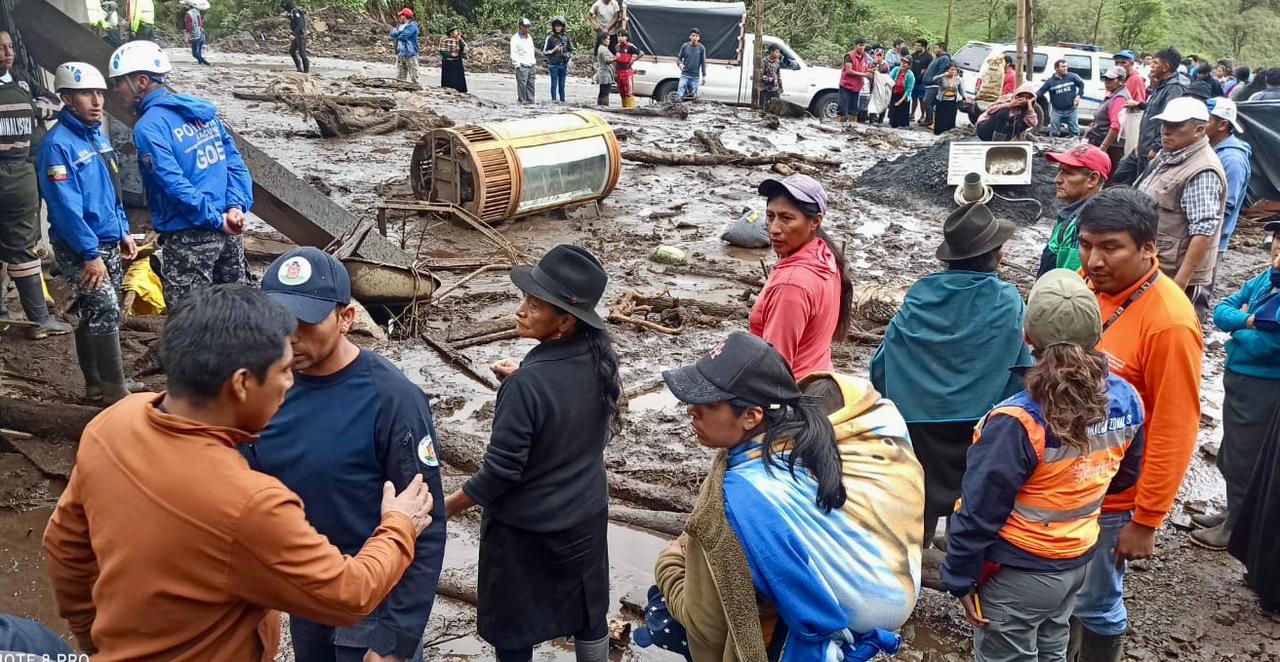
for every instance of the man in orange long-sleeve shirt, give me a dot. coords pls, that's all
(167, 546)
(1152, 338)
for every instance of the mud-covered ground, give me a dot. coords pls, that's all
(1187, 603)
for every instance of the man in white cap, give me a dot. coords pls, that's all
(524, 62)
(1223, 132)
(88, 229)
(1189, 186)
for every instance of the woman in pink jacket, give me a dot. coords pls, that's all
(805, 306)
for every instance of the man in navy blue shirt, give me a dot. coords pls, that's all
(351, 422)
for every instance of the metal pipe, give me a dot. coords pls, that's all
(973, 189)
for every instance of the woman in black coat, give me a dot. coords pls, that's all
(544, 562)
(452, 51)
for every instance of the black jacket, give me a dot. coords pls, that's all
(1165, 91)
(544, 468)
(561, 58)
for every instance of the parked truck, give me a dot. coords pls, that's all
(659, 27)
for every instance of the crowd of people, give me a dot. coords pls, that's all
(301, 472)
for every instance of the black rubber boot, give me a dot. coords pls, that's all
(31, 293)
(591, 651)
(88, 366)
(1099, 648)
(106, 354)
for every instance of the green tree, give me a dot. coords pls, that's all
(1139, 23)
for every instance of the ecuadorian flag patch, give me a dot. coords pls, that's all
(57, 173)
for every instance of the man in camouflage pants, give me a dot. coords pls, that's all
(87, 225)
(198, 187)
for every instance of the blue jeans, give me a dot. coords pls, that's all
(848, 104)
(559, 72)
(1100, 604)
(1069, 117)
(197, 50)
(688, 85)
(313, 642)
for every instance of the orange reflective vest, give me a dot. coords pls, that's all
(1056, 513)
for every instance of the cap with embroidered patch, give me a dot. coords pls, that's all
(309, 283)
(741, 367)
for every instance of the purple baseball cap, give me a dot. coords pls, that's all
(801, 187)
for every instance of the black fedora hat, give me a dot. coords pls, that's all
(971, 231)
(569, 278)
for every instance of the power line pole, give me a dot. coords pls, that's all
(1030, 32)
(1020, 57)
(756, 70)
(946, 36)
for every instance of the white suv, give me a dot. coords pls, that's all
(1089, 65)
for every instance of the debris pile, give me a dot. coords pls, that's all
(919, 181)
(331, 32)
(343, 114)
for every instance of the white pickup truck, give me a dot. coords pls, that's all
(658, 27)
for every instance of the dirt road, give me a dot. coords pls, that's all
(1188, 604)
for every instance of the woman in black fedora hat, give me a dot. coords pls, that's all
(544, 564)
(946, 351)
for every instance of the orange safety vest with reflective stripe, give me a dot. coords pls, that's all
(1055, 515)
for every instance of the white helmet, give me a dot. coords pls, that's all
(139, 57)
(78, 76)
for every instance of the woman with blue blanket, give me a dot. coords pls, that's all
(804, 545)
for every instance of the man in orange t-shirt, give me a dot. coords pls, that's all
(1152, 338)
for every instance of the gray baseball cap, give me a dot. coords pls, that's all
(801, 187)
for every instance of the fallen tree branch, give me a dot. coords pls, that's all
(619, 318)
(457, 587)
(485, 328)
(672, 110)
(452, 357)
(465, 452)
(656, 157)
(302, 101)
(385, 83)
(509, 334)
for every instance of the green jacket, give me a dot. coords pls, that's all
(1063, 250)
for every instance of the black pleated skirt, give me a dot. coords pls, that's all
(942, 449)
(1253, 540)
(534, 587)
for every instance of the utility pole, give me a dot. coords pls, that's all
(946, 36)
(1020, 57)
(1030, 33)
(756, 65)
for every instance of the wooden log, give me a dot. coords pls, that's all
(455, 585)
(487, 327)
(669, 523)
(47, 420)
(465, 452)
(453, 358)
(672, 110)
(659, 303)
(716, 271)
(509, 334)
(663, 157)
(302, 101)
(384, 83)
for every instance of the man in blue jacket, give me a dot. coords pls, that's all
(197, 185)
(1234, 153)
(1064, 89)
(87, 226)
(351, 422)
(406, 36)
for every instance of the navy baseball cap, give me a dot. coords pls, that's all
(309, 283)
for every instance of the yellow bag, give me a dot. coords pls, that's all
(145, 284)
(628, 102)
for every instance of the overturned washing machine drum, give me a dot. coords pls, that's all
(512, 169)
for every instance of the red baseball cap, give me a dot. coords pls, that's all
(406, 12)
(1083, 156)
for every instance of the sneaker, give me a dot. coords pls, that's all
(50, 327)
(1209, 520)
(1215, 538)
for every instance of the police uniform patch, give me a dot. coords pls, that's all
(427, 451)
(57, 173)
(294, 271)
